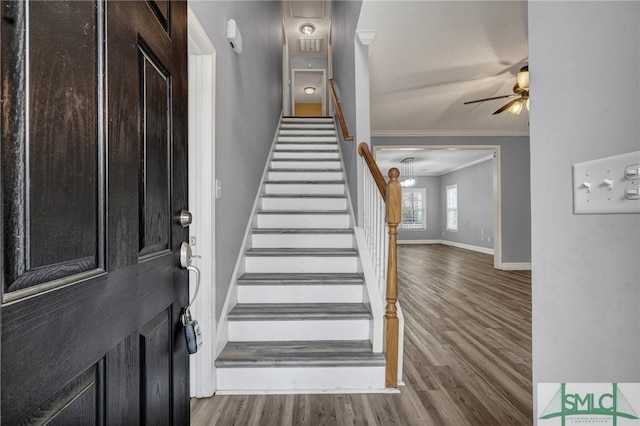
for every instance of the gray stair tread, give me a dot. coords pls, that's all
(304, 159)
(304, 196)
(307, 142)
(306, 170)
(301, 252)
(302, 231)
(298, 311)
(303, 212)
(299, 354)
(306, 151)
(300, 279)
(305, 182)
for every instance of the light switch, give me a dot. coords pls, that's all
(632, 172)
(607, 185)
(632, 192)
(218, 189)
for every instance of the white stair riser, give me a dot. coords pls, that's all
(307, 139)
(322, 120)
(306, 175)
(309, 379)
(302, 241)
(301, 264)
(290, 293)
(302, 204)
(305, 132)
(287, 221)
(305, 164)
(309, 126)
(282, 155)
(305, 188)
(289, 330)
(310, 145)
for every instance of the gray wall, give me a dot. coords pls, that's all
(516, 207)
(586, 280)
(248, 105)
(475, 205)
(298, 62)
(345, 14)
(434, 212)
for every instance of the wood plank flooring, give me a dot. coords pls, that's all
(467, 357)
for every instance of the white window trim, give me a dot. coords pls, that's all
(448, 209)
(424, 210)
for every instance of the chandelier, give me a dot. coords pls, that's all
(406, 172)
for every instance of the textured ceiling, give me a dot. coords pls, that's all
(431, 161)
(428, 57)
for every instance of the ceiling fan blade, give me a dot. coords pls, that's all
(490, 99)
(507, 106)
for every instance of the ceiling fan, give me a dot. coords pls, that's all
(520, 90)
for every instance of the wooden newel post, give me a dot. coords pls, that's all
(394, 217)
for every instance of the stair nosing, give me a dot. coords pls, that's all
(316, 311)
(305, 182)
(301, 252)
(345, 231)
(331, 212)
(311, 353)
(337, 196)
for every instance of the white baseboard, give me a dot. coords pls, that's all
(468, 247)
(449, 243)
(516, 266)
(408, 242)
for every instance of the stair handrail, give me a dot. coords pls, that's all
(343, 125)
(391, 194)
(365, 153)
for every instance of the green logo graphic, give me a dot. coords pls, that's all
(614, 405)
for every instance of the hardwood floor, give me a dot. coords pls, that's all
(467, 357)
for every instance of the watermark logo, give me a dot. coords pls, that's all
(562, 404)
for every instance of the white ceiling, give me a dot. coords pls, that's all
(428, 57)
(430, 161)
(299, 12)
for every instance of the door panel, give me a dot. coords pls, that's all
(155, 225)
(54, 211)
(76, 402)
(155, 339)
(94, 162)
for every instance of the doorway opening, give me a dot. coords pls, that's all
(444, 161)
(202, 189)
(308, 96)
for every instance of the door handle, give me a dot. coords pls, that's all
(185, 218)
(185, 261)
(193, 333)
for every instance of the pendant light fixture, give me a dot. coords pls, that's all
(406, 170)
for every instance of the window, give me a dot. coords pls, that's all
(414, 208)
(452, 208)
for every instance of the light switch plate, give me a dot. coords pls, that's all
(599, 186)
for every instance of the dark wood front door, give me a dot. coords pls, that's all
(94, 174)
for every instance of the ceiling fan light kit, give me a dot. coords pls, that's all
(520, 90)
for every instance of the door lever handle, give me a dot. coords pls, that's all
(185, 261)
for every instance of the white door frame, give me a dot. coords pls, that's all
(497, 188)
(293, 88)
(202, 67)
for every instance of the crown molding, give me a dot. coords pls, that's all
(366, 37)
(436, 133)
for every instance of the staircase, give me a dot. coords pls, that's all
(301, 323)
